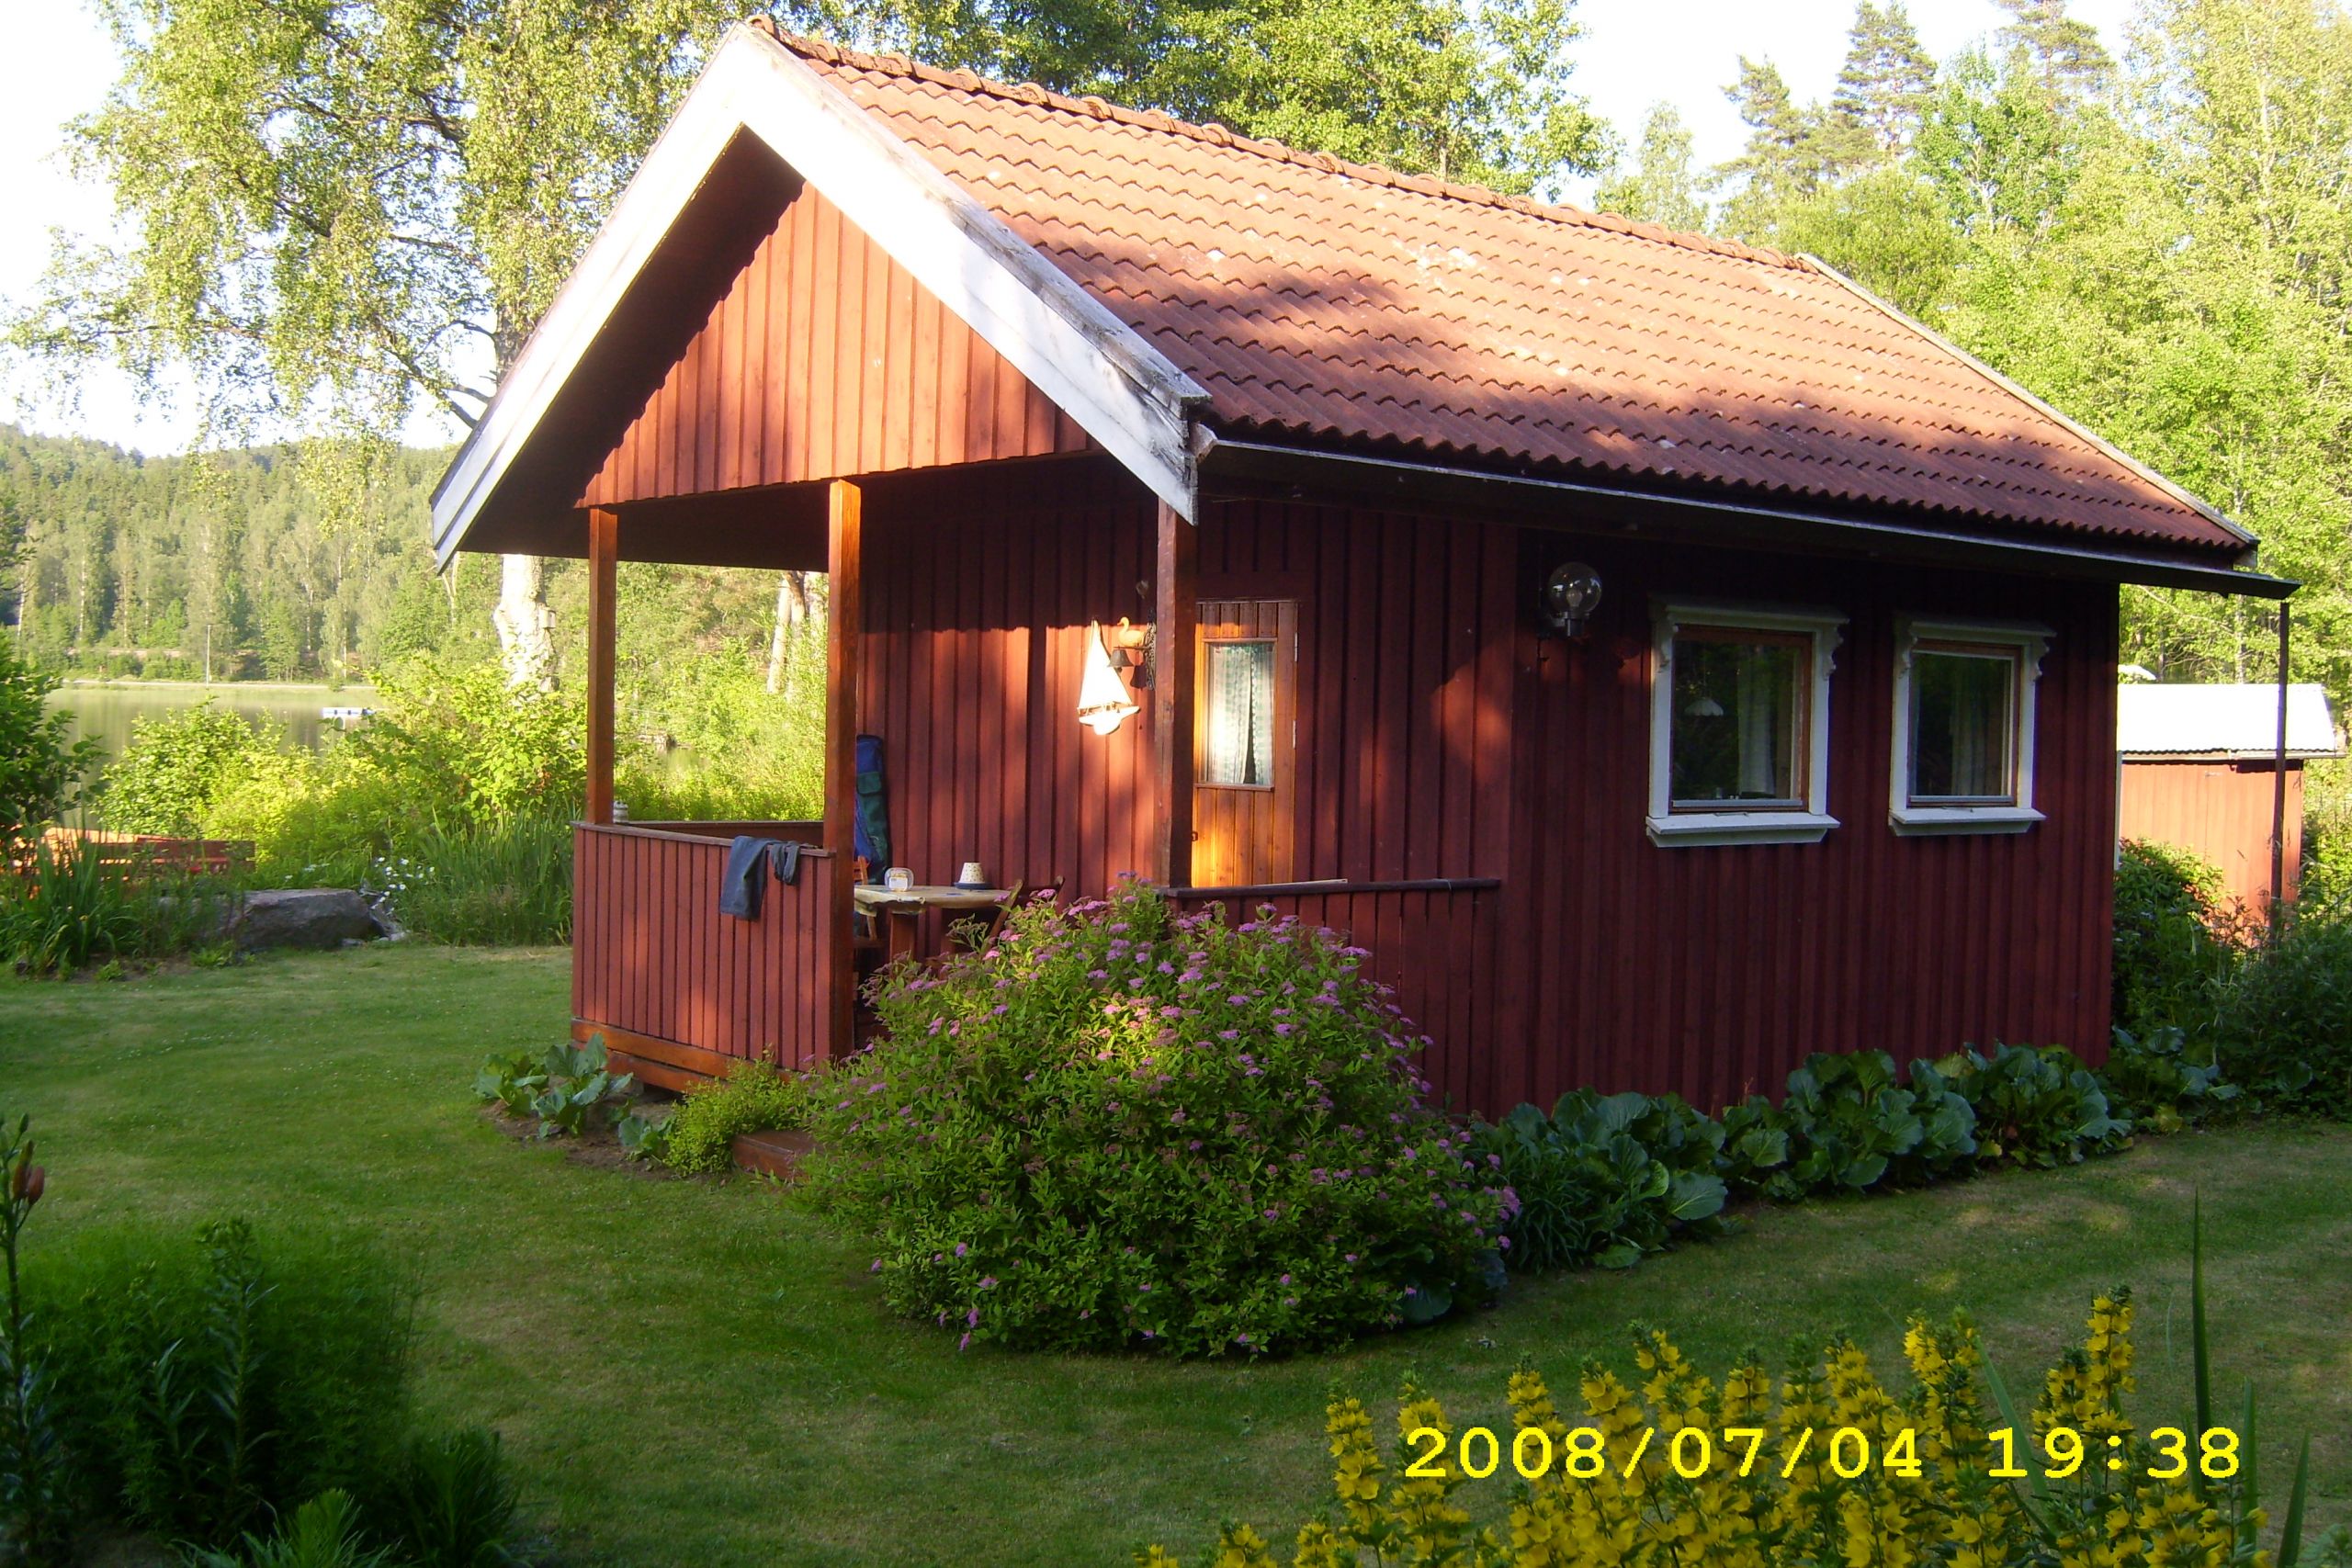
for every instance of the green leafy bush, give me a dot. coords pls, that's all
(177, 765)
(2284, 1029)
(563, 1087)
(2155, 1082)
(1602, 1181)
(205, 1387)
(2176, 941)
(323, 1533)
(503, 883)
(1120, 1126)
(40, 770)
(1852, 1126)
(464, 743)
(451, 1503)
(70, 909)
(753, 1098)
(2036, 1107)
(1607, 1179)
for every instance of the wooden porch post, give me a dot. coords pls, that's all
(604, 550)
(1176, 618)
(844, 614)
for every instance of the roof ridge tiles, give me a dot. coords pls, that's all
(1214, 135)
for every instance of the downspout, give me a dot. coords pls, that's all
(2278, 785)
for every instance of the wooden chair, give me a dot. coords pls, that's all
(1049, 891)
(864, 931)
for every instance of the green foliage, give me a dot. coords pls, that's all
(2284, 1027)
(204, 1388)
(493, 884)
(34, 1516)
(452, 1502)
(564, 1087)
(2036, 1107)
(462, 738)
(177, 765)
(643, 1137)
(2176, 944)
(1602, 1181)
(1118, 1125)
(40, 770)
(1605, 1179)
(753, 1098)
(1852, 1126)
(2157, 1082)
(70, 909)
(323, 1533)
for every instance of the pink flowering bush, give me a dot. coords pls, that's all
(1119, 1126)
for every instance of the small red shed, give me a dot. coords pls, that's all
(1663, 656)
(2199, 770)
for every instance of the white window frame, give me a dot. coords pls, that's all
(1808, 820)
(2031, 641)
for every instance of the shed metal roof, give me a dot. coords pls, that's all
(2218, 721)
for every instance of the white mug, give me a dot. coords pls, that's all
(970, 877)
(898, 879)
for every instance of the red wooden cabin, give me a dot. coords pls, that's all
(1830, 764)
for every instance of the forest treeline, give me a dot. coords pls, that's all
(2156, 238)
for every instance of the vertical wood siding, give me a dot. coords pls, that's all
(824, 360)
(2222, 812)
(651, 956)
(1711, 971)
(1440, 739)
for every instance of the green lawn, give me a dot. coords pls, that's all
(700, 1373)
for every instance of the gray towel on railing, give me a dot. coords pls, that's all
(749, 860)
(746, 874)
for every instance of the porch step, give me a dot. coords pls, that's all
(771, 1153)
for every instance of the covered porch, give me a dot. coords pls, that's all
(966, 660)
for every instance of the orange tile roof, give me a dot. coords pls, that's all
(1331, 303)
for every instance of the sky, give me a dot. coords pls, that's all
(1634, 53)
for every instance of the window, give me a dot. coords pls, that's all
(1739, 727)
(1964, 727)
(1240, 699)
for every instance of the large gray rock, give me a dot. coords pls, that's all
(302, 916)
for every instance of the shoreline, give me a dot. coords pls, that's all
(126, 684)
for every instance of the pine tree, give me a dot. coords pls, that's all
(2064, 51)
(1883, 88)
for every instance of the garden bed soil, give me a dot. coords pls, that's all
(597, 1146)
(761, 1154)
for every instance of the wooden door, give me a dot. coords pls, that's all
(1245, 741)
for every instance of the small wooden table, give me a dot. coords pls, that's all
(902, 912)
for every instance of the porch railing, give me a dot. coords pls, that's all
(680, 990)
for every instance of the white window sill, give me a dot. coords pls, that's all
(1919, 821)
(1700, 828)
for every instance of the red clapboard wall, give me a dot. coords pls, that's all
(2220, 810)
(1439, 739)
(824, 360)
(673, 983)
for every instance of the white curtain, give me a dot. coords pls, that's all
(1241, 713)
(1760, 684)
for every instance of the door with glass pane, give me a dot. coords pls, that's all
(1246, 705)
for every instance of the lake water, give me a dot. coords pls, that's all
(106, 709)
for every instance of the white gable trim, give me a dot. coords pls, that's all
(1119, 389)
